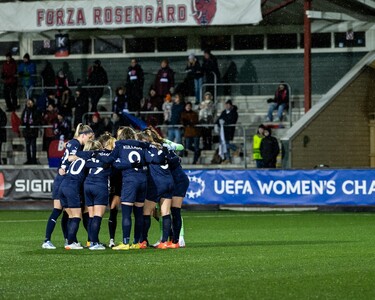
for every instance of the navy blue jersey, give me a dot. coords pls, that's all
(125, 154)
(180, 179)
(99, 172)
(159, 173)
(77, 171)
(71, 149)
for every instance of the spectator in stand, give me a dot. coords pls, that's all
(167, 108)
(153, 100)
(195, 73)
(48, 75)
(97, 124)
(81, 103)
(174, 132)
(206, 117)
(257, 140)
(27, 73)
(280, 103)
(61, 83)
(3, 131)
(149, 105)
(229, 116)
(120, 102)
(210, 68)
(9, 75)
(108, 125)
(61, 128)
(49, 119)
(31, 119)
(97, 77)
(269, 149)
(164, 81)
(66, 104)
(134, 85)
(189, 119)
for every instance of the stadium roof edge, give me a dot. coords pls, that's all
(306, 119)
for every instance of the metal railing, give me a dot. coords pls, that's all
(215, 85)
(108, 87)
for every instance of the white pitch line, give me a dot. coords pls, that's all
(225, 216)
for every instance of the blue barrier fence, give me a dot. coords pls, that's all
(228, 187)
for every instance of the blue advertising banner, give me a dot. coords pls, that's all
(281, 187)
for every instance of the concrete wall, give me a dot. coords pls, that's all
(339, 135)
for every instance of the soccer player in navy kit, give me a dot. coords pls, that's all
(181, 185)
(129, 156)
(159, 188)
(71, 148)
(71, 188)
(96, 191)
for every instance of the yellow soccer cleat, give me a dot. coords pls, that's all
(136, 246)
(121, 246)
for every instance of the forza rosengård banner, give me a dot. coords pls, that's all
(111, 14)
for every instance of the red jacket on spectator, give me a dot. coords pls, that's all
(164, 81)
(9, 71)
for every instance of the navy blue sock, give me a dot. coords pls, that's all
(89, 233)
(51, 223)
(166, 227)
(85, 220)
(64, 224)
(176, 223)
(138, 223)
(112, 222)
(95, 228)
(126, 222)
(146, 227)
(73, 229)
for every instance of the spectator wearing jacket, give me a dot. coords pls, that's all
(189, 119)
(164, 80)
(49, 119)
(134, 85)
(257, 140)
(174, 131)
(195, 73)
(61, 128)
(3, 131)
(269, 149)
(31, 119)
(120, 102)
(97, 77)
(61, 83)
(9, 75)
(280, 103)
(81, 104)
(229, 116)
(210, 69)
(206, 117)
(27, 72)
(97, 125)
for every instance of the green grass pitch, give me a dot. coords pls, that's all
(229, 255)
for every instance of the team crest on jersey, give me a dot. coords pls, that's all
(203, 11)
(196, 187)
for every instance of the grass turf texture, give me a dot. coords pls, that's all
(228, 255)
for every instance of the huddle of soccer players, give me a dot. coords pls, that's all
(141, 169)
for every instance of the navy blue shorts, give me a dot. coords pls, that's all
(116, 184)
(181, 185)
(155, 193)
(134, 189)
(56, 186)
(70, 193)
(96, 194)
